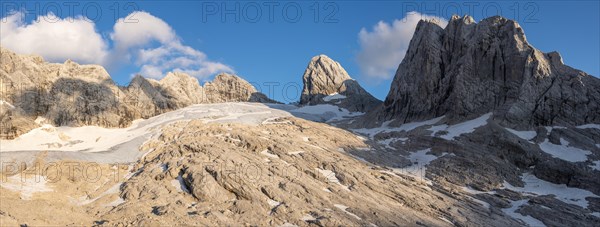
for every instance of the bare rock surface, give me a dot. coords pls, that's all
(230, 88)
(326, 81)
(468, 69)
(475, 105)
(246, 168)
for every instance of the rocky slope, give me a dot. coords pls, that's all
(229, 164)
(325, 81)
(77, 95)
(468, 69)
(510, 121)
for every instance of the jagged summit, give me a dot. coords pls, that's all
(465, 19)
(229, 88)
(326, 81)
(468, 69)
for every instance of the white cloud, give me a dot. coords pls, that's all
(53, 38)
(139, 28)
(383, 49)
(140, 39)
(156, 62)
(151, 44)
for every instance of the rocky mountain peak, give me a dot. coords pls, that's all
(469, 69)
(231, 88)
(326, 81)
(178, 79)
(323, 76)
(466, 19)
(182, 87)
(139, 81)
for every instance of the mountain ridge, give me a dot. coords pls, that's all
(78, 95)
(468, 69)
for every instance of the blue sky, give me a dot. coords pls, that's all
(276, 52)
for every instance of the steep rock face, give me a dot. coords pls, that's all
(325, 81)
(76, 95)
(230, 88)
(64, 94)
(468, 69)
(182, 88)
(146, 98)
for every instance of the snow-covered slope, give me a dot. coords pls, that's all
(107, 145)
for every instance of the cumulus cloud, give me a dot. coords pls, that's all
(139, 39)
(155, 62)
(53, 38)
(139, 28)
(153, 45)
(383, 48)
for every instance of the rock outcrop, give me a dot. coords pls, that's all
(229, 88)
(237, 164)
(325, 81)
(182, 88)
(468, 69)
(77, 95)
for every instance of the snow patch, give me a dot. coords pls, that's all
(595, 126)
(269, 154)
(526, 135)
(273, 203)
(180, 185)
(437, 128)
(475, 192)
(27, 187)
(324, 112)
(389, 141)
(512, 211)
(333, 96)
(596, 165)
(465, 127)
(343, 208)
(331, 177)
(10, 106)
(109, 145)
(564, 151)
(446, 220)
(419, 159)
(115, 203)
(536, 186)
(371, 132)
(308, 218)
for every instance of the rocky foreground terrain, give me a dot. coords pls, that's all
(479, 128)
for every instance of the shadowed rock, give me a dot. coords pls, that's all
(468, 69)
